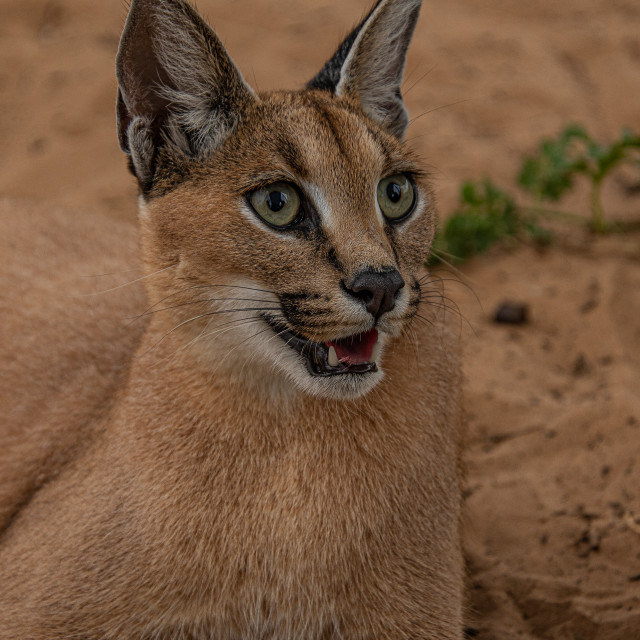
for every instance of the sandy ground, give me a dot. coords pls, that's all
(553, 488)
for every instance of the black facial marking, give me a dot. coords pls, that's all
(298, 297)
(390, 231)
(378, 138)
(328, 119)
(292, 302)
(329, 253)
(310, 224)
(292, 156)
(305, 323)
(323, 245)
(332, 257)
(417, 290)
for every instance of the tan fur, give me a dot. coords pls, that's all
(179, 478)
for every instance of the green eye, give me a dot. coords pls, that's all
(278, 204)
(396, 196)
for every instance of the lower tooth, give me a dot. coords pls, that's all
(333, 357)
(375, 353)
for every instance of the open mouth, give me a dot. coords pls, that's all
(354, 354)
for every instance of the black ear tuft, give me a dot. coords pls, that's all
(178, 89)
(369, 64)
(328, 77)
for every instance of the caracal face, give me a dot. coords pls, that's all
(292, 305)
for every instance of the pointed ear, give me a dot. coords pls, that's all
(369, 64)
(178, 89)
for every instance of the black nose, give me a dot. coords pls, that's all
(376, 289)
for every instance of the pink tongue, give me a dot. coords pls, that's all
(355, 349)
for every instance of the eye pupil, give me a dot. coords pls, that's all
(394, 192)
(276, 201)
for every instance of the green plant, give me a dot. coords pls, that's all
(486, 215)
(550, 173)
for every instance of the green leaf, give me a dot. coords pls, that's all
(486, 214)
(468, 193)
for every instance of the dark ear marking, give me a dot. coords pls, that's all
(328, 77)
(179, 92)
(370, 63)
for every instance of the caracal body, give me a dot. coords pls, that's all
(271, 449)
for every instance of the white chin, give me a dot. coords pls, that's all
(342, 386)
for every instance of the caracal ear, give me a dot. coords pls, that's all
(178, 89)
(370, 63)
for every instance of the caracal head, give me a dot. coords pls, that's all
(283, 233)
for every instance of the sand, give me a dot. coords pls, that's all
(553, 484)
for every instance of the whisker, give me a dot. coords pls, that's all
(419, 316)
(416, 349)
(433, 325)
(203, 336)
(185, 304)
(444, 106)
(276, 335)
(171, 295)
(454, 310)
(434, 296)
(112, 273)
(429, 298)
(234, 286)
(206, 315)
(438, 254)
(127, 284)
(249, 338)
(461, 279)
(232, 324)
(201, 286)
(277, 360)
(419, 80)
(255, 351)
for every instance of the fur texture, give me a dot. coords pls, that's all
(185, 476)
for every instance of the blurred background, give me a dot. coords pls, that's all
(553, 486)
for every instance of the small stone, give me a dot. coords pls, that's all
(512, 313)
(580, 366)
